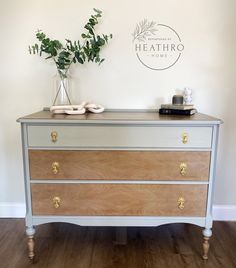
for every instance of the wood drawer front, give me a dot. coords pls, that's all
(119, 199)
(119, 165)
(120, 136)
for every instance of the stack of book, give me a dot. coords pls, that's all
(174, 109)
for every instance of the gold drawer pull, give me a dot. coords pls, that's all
(181, 202)
(56, 201)
(55, 167)
(183, 169)
(54, 136)
(185, 138)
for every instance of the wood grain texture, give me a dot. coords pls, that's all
(63, 245)
(119, 165)
(132, 115)
(119, 199)
(31, 247)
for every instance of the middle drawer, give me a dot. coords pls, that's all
(119, 165)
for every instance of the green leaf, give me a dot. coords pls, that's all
(80, 60)
(87, 44)
(92, 41)
(101, 61)
(40, 35)
(75, 46)
(64, 54)
(78, 57)
(101, 41)
(77, 54)
(105, 37)
(97, 59)
(83, 56)
(53, 52)
(95, 18)
(97, 11)
(89, 28)
(57, 44)
(36, 47)
(91, 31)
(92, 21)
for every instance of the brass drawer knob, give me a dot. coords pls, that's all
(181, 202)
(183, 169)
(54, 136)
(55, 167)
(56, 201)
(185, 138)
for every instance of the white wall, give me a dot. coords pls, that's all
(207, 66)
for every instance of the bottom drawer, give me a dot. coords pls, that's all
(119, 199)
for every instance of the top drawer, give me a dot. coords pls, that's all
(114, 136)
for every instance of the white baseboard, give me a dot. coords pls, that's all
(224, 213)
(17, 210)
(12, 210)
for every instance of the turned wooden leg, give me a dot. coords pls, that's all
(30, 233)
(205, 247)
(206, 236)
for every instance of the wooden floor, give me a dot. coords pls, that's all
(66, 245)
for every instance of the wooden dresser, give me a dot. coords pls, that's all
(119, 168)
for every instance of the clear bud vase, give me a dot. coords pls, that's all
(62, 95)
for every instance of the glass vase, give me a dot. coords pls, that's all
(62, 91)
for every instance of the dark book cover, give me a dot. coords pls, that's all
(177, 112)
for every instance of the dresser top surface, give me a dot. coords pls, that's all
(119, 116)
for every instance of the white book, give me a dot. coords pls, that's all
(177, 107)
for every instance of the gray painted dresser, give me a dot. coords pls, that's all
(119, 168)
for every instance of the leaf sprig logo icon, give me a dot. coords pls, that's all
(143, 30)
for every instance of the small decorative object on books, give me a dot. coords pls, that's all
(188, 96)
(71, 52)
(177, 99)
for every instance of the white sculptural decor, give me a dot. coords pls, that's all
(188, 96)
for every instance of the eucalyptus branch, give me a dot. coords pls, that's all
(72, 52)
